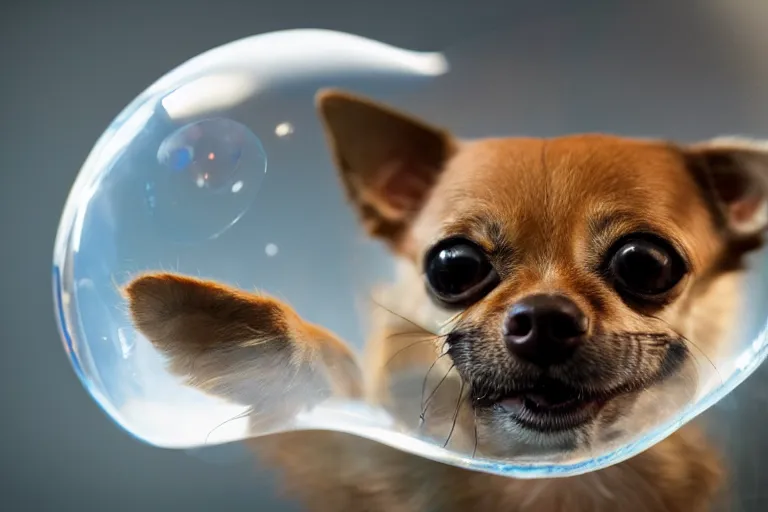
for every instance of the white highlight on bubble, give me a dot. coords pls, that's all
(176, 422)
(295, 54)
(271, 250)
(126, 343)
(283, 129)
(237, 186)
(209, 94)
(200, 182)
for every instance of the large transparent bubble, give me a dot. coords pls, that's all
(376, 277)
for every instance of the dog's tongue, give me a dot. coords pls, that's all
(541, 397)
(543, 400)
(551, 396)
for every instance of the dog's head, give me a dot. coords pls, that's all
(575, 265)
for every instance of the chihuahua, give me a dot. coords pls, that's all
(579, 273)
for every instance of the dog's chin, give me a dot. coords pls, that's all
(548, 414)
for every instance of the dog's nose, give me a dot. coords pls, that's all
(544, 329)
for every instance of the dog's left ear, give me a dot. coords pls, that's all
(733, 174)
(388, 160)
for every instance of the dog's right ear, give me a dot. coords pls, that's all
(388, 161)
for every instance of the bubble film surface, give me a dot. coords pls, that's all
(232, 169)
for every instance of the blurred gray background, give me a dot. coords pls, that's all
(686, 69)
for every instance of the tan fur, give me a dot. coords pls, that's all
(557, 205)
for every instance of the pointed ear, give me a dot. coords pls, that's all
(250, 349)
(388, 161)
(734, 175)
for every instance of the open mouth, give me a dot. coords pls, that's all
(548, 406)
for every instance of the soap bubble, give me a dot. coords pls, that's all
(228, 170)
(209, 153)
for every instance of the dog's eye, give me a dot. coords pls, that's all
(459, 273)
(646, 267)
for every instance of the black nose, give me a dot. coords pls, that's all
(544, 329)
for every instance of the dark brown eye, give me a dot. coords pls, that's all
(645, 267)
(459, 273)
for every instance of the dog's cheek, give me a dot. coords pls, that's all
(622, 318)
(490, 356)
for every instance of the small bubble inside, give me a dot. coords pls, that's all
(209, 173)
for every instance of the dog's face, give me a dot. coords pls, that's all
(572, 264)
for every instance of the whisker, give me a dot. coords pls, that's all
(240, 416)
(401, 317)
(474, 423)
(455, 414)
(452, 318)
(406, 348)
(696, 345)
(426, 375)
(412, 333)
(426, 405)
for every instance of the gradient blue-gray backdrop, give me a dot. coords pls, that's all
(68, 67)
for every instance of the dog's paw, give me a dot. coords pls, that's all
(180, 314)
(244, 347)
